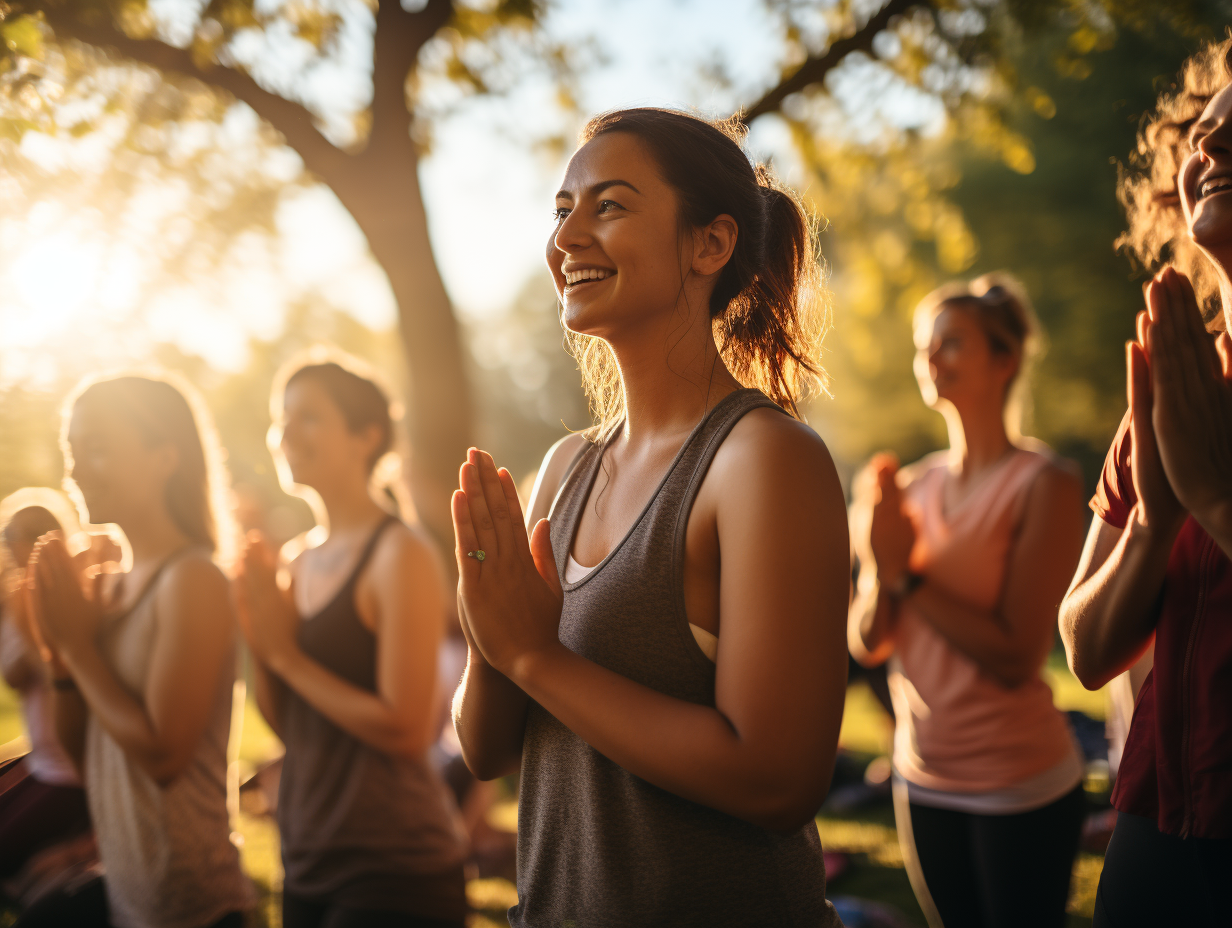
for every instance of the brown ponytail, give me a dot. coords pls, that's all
(766, 308)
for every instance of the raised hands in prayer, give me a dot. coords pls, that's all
(883, 534)
(510, 601)
(63, 617)
(267, 616)
(1182, 403)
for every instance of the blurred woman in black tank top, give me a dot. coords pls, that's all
(346, 674)
(664, 655)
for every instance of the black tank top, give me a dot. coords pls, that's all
(598, 845)
(360, 827)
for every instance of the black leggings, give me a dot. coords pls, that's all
(994, 871)
(1150, 878)
(298, 912)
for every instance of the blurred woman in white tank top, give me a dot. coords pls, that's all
(143, 669)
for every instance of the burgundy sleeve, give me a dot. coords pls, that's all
(1114, 496)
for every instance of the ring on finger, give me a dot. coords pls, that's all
(478, 555)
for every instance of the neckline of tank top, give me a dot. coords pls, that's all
(706, 640)
(148, 588)
(986, 481)
(743, 391)
(364, 555)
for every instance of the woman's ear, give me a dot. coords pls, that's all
(714, 244)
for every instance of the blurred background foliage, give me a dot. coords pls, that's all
(211, 144)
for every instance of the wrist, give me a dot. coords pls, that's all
(532, 665)
(1154, 532)
(1216, 517)
(282, 659)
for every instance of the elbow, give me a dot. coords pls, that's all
(787, 806)
(487, 766)
(1091, 674)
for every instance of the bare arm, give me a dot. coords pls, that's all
(161, 727)
(765, 752)
(1011, 642)
(71, 715)
(871, 621)
(489, 710)
(883, 537)
(268, 690)
(1108, 617)
(20, 665)
(405, 595)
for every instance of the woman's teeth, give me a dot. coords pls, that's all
(1214, 185)
(590, 273)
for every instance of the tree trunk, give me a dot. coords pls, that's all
(379, 185)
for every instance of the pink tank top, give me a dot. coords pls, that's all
(958, 729)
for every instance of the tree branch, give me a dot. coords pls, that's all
(292, 120)
(399, 37)
(815, 69)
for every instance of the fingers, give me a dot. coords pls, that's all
(494, 495)
(464, 534)
(520, 539)
(1138, 385)
(483, 528)
(545, 558)
(1223, 347)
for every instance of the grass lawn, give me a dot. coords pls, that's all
(867, 836)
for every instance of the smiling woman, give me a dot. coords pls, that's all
(1158, 561)
(663, 653)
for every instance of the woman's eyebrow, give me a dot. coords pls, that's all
(595, 189)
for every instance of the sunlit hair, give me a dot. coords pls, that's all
(363, 398)
(768, 307)
(1157, 232)
(30, 512)
(165, 409)
(999, 304)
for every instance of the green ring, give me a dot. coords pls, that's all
(477, 555)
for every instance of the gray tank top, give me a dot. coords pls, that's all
(361, 828)
(596, 844)
(166, 850)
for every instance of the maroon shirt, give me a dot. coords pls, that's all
(1177, 766)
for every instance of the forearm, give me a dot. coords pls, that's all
(359, 712)
(1108, 619)
(71, 715)
(123, 716)
(489, 715)
(870, 622)
(981, 635)
(690, 750)
(269, 693)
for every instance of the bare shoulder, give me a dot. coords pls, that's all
(1059, 482)
(766, 442)
(194, 572)
(552, 473)
(193, 582)
(403, 547)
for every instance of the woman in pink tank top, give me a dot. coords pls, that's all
(965, 556)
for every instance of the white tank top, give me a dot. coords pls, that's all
(167, 851)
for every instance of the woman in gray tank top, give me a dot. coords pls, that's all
(346, 675)
(143, 671)
(664, 654)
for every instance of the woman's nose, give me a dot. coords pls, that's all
(572, 234)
